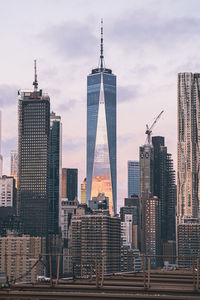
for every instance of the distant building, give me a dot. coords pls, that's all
(151, 227)
(69, 183)
(130, 215)
(99, 202)
(33, 159)
(96, 235)
(18, 255)
(188, 240)
(133, 178)
(7, 192)
(146, 169)
(68, 209)
(14, 165)
(188, 155)
(55, 172)
(84, 191)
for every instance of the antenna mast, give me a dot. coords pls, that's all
(101, 48)
(35, 82)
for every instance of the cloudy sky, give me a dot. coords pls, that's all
(146, 43)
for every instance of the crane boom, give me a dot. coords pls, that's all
(149, 130)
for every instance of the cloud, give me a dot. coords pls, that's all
(127, 93)
(71, 39)
(8, 95)
(70, 145)
(67, 106)
(144, 28)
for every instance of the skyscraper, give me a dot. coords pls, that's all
(55, 171)
(101, 133)
(1, 157)
(14, 165)
(34, 160)
(188, 179)
(160, 179)
(69, 183)
(146, 169)
(133, 178)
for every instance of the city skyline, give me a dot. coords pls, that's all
(139, 101)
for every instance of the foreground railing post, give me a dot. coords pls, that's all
(143, 267)
(197, 273)
(73, 271)
(58, 269)
(96, 269)
(50, 270)
(193, 273)
(149, 270)
(102, 271)
(91, 272)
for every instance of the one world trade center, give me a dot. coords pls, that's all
(101, 133)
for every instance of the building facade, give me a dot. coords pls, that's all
(84, 191)
(69, 183)
(188, 159)
(19, 254)
(34, 159)
(151, 228)
(133, 178)
(14, 164)
(55, 172)
(7, 192)
(96, 236)
(188, 177)
(101, 134)
(146, 169)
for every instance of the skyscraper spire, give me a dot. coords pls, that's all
(101, 47)
(35, 82)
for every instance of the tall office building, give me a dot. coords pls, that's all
(160, 179)
(34, 160)
(1, 157)
(188, 177)
(55, 171)
(146, 169)
(133, 178)
(188, 183)
(69, 183)
(151, 228)
(14, 165)
(93, 236)
(101, 133)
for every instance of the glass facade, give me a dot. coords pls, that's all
(33, 156)
(101, 136)
(55, 172)
(69, 183)
(133, 178)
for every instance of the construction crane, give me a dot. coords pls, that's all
(149, 130)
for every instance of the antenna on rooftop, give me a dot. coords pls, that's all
(35, 82)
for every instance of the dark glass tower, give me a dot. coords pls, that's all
(33, 156)
(101, 133)
(55, 172)
(69, 183)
